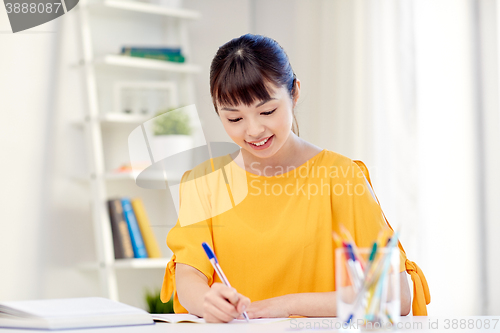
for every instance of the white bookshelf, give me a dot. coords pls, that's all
(126, 176)
(119, 176)
(150, 64)
(100, 125)
(121, 118)
(130, 264)
(111, 118)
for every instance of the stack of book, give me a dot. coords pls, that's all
(159, 53)
(132, 233)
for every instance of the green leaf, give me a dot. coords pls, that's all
(172, 123)
(155, 305)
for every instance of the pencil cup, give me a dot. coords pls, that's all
(367, 290)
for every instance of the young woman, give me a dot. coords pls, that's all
(275, 242)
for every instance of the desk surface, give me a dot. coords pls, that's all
(406, 324)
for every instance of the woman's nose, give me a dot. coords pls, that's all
(255, 129)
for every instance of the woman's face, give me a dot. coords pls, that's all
(262, 128)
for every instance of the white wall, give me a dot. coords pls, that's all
(26, 64)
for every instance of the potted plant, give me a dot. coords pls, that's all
(172, 122)
(172, 135)
(155, 305)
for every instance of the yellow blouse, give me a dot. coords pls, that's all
(273, 235)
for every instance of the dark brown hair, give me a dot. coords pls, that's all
(242, 67)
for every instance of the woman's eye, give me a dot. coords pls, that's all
(268, 112)
(235, 120)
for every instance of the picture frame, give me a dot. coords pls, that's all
(144, 98)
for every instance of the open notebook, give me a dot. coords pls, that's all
(188, 318)
(70, 313)
(177, 318)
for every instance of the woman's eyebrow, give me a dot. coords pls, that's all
(228, 109)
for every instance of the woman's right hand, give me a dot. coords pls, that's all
(221, 304)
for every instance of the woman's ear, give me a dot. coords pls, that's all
(296, 93)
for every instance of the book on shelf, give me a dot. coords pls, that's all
(70, 313)
(164, 57)
(119, 228)
(133, 228)
(148, 236)
(125, 215)
(152, 49)
(157, 53)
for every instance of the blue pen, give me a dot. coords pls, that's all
(220, 273)
(357, 265)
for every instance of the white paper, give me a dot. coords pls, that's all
(177, 318)
(258, 321)
(188, 318)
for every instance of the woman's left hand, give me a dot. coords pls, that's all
(276, 307)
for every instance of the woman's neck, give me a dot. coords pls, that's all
(288, 156)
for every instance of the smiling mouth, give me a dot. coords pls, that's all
(260, 143)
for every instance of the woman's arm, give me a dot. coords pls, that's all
(405, 294)
(218, 303)
(191, 286)
(314, 304)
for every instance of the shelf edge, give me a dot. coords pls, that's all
(129, 264)
(153, 9)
